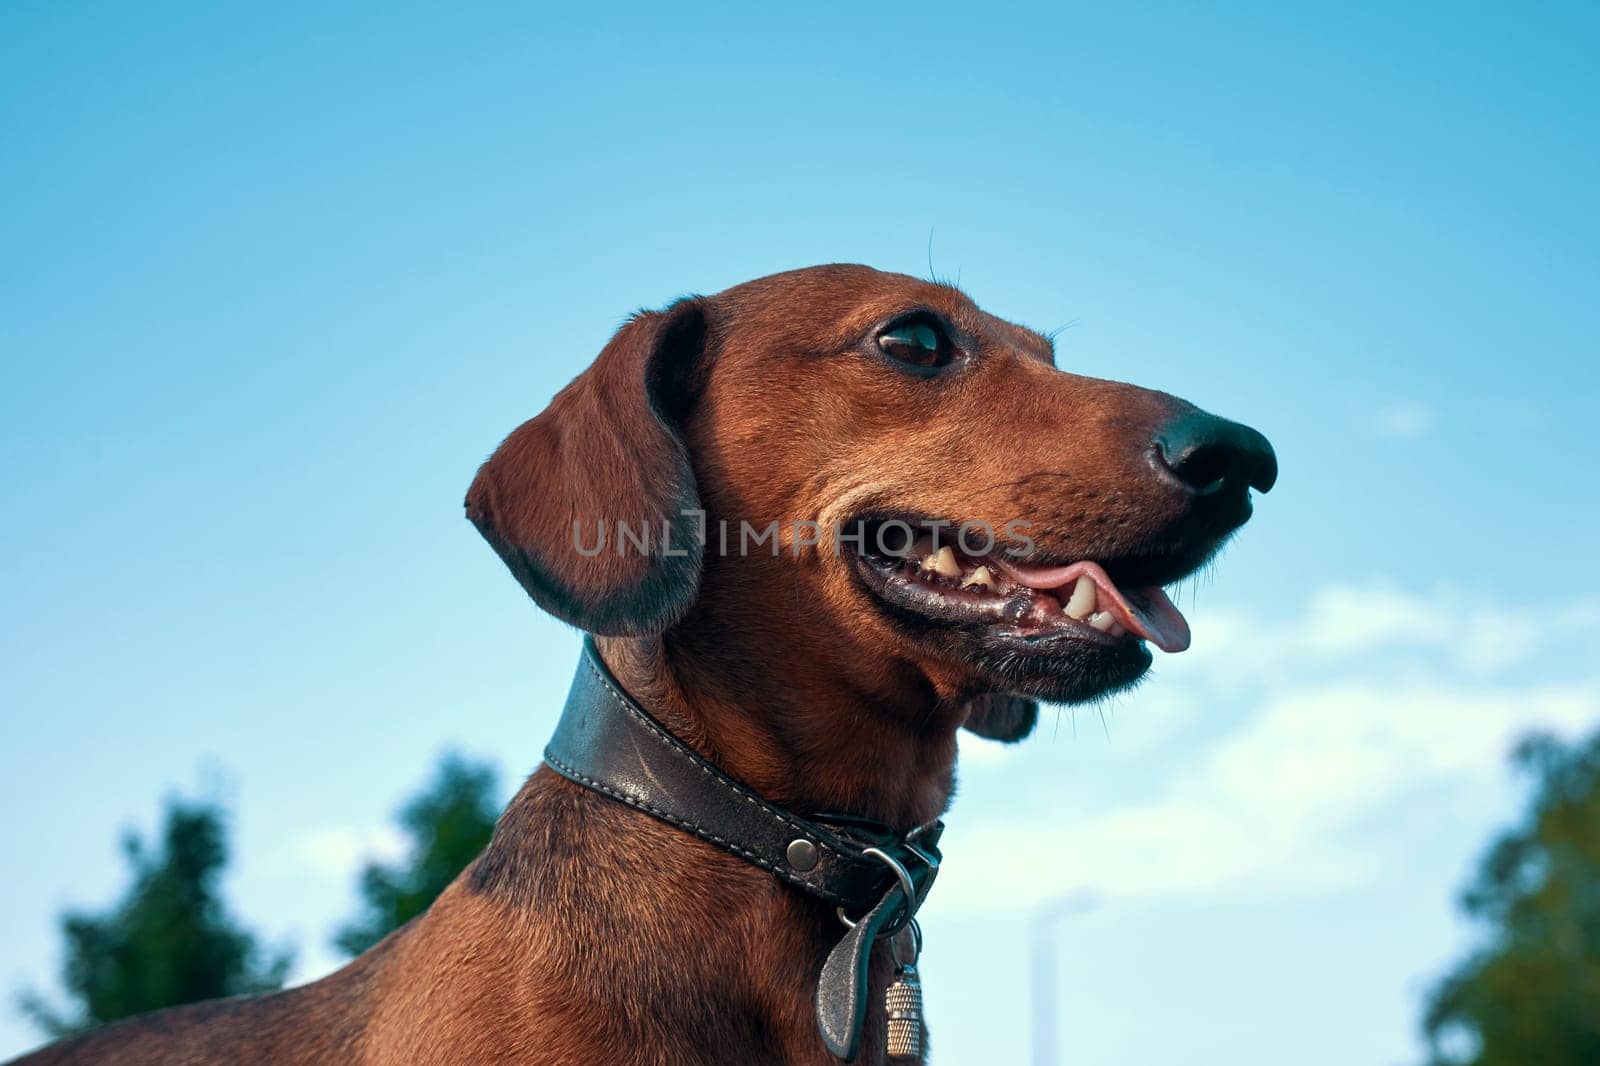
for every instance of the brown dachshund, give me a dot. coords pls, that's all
(809, 433)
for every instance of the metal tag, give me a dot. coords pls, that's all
(903, 1002)
(904, 1005)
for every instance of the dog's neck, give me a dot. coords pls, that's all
(803, 731)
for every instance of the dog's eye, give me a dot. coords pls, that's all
(920, 342)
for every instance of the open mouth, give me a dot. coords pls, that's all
(1019, 602)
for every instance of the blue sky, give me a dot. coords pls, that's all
(273, 282)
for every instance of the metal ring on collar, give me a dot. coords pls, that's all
(915, 929)
(908, 889)
(908, 908)
(906, 884)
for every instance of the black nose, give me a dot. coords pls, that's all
(1210, 454)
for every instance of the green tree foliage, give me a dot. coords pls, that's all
(170, 941)
(447, 824)
(1531, 993)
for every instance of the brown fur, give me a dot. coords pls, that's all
(589, 933)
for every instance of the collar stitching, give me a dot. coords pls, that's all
(818, 833)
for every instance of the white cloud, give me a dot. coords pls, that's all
(1345, 622)
(1334, 733)
(980, 751)
(1404, 421)
(339, 851)
(1344, 619)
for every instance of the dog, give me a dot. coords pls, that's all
(844, 419)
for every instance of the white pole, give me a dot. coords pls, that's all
(1046, 1037)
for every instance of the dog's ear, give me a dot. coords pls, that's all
(593, 504)
(1001, 717)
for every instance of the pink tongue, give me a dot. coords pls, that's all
(1164, 624)
(1161, 623)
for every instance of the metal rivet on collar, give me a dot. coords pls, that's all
(802, 854)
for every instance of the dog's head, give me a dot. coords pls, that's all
(865, 471)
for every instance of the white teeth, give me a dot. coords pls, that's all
(944, 564)
(981, 577)
(1081, 603)
(1118, 630)
(1102, 620)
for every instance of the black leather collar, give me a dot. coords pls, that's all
(607, 742)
